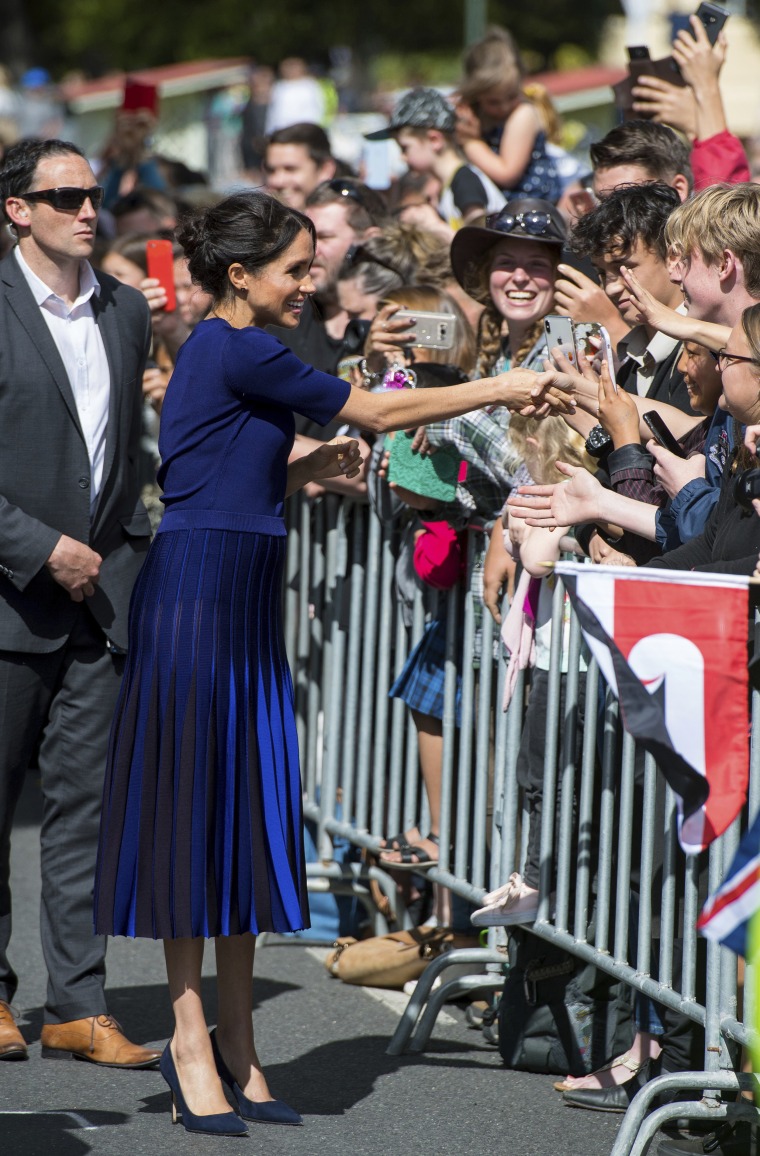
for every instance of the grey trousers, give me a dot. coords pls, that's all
(59, 707)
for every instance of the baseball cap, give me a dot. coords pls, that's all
(420, 108)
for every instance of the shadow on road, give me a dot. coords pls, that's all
(52, 1133)
(330, 1079)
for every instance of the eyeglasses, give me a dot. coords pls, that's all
(534, 223)
(68, 200)
(724, 358)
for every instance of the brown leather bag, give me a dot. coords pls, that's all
(387, 960)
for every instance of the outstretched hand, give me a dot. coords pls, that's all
(560, 504)
(537, 394)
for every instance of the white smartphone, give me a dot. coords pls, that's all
(559, 332)
(431, 330)
(593, 341)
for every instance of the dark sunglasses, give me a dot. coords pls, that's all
(68, 199)
(346, 188)
(534, 223)
(359, 255)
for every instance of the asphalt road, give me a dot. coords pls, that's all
(324, 1047)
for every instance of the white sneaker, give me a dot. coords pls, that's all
(513, 903)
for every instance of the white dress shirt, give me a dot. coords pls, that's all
(83, 353)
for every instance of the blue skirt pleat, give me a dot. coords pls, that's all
(202, 828)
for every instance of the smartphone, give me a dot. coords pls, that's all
(593, 341)
(713, 17)
(662, 434)
(139, 97)
(559, 332)
(430, 330)
(639, 61)
(159, 257)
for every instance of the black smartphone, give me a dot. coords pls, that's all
(713, 17)
(639, 61)
(662, 434)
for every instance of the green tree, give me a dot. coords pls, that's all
(102, 35)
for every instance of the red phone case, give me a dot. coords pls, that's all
(139, 96)
(160, 261)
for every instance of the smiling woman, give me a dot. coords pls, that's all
(739, 365)
(201, 832)
(510, 266)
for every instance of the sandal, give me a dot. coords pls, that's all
(625, 1061)
(394, 843)
(413, 858)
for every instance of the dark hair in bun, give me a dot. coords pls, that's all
(251, 228)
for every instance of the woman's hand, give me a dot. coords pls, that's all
(340, 457)
(673, 472)
(529, 393)
(560, 504)
(617, 412)
(386, 336)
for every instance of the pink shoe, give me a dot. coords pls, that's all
(513, 903)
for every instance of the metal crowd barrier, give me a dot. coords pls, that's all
(347, 641)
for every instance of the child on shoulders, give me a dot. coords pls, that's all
(499, 129)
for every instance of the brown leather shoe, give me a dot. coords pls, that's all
(12, 1043)
(98, 1039)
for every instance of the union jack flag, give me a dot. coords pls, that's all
(727, 915)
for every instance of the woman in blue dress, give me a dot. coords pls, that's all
(201, 831)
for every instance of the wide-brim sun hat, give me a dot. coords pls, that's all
(528, 219)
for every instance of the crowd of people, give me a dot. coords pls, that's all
(390, 347)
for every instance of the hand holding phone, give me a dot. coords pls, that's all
(662, 434)
(559, 333)
(430, 330)
(159, 258)
(593, 341)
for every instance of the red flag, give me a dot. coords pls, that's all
(683, 637)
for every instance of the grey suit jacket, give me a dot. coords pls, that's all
(45, 469)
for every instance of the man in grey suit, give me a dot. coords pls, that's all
(73, 535)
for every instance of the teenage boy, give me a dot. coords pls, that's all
(423, 124)
(627, 229)
(635, 153)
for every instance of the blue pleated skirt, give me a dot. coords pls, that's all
(201, 829)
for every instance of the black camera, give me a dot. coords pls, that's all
(355, 336)
(747, 487)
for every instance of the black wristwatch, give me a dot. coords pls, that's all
(597, 441)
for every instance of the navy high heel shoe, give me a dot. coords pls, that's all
(265, 1112)
(219, 1124)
